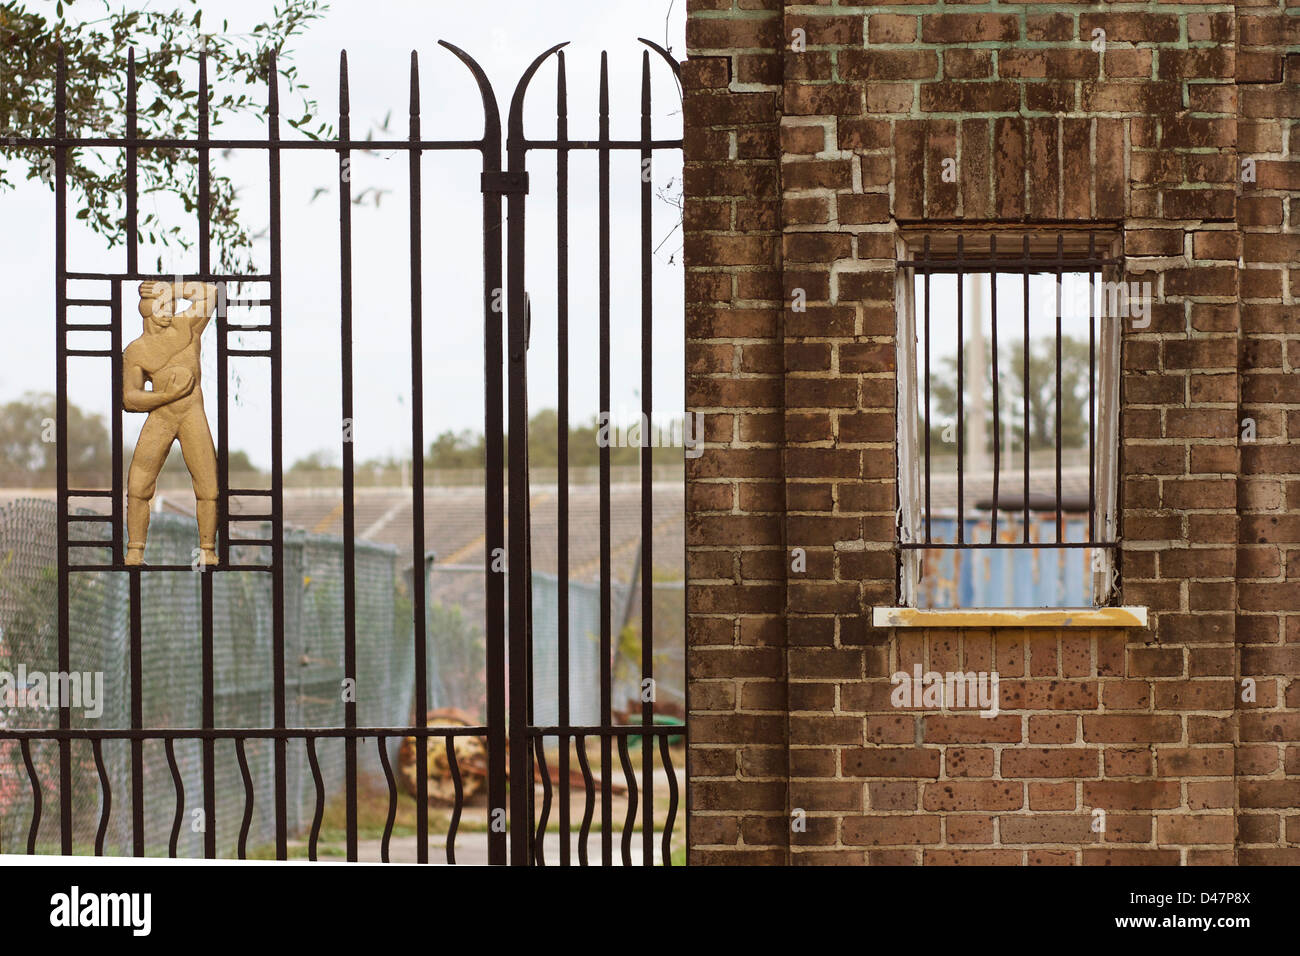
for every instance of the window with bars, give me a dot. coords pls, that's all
(1008, 393)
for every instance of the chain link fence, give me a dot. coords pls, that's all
(458, 619)
(171, 682)
(243, 674)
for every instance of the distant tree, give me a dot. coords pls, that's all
(1011, 404)
(27, 439)
(467, 449)
(239, 462)
(463, 449)
(584, 449)
(320, 460)
(168, 39)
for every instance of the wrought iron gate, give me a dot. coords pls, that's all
(515, 745)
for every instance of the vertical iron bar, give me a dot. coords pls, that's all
(206, 574)
(997, 416)
(132, 265)
(1060, 440)
(606, 609)
(137, 717)
(223, 431)
(223, 343)
(518, 564)
(277, 470)
(647, 475)
(1025, 390)
(961, 399)
(925, 255)
(349, 502)
(61, 444)
(208, 718)
(132, 176)
(205, 173)
(494, 455)
(419, 580)
(135, 656)
(494, 464)
(562, 506)
(1092, 384)
(117, 436)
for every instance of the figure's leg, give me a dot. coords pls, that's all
(201, 460)
(150, 453)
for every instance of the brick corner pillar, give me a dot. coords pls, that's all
(839, 246)
(736, 658)
(1267, 744)
(820, 136)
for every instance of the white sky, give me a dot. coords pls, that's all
(379, 37)
(1075, 296)
(1011, 308)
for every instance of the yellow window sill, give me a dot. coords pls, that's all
(1010, 617)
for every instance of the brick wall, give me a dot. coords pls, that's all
(801, 166)
(1267, 732)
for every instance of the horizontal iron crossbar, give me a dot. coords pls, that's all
(237, 733)
(331, 145)
(1003, 545)
(1010, 264)
(617, 730)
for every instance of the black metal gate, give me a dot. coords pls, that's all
(515, 745)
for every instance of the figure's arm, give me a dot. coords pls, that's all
(136, 398)
(203, 302)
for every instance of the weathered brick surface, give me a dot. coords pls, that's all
(801, 166)
(1267, 731)
(737, 760)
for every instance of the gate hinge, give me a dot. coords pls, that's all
(505, 181)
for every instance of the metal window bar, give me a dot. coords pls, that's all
(505, 671)
(928, 512)
(1027, 263)
(997, 386)
(1092, 389)
(1025, 390)
(1060, 440)
(961, 397)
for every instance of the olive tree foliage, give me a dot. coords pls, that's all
(97, 37)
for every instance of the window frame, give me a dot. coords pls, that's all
(1097, 249)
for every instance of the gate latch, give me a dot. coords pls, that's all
(505, 181)
(528, 329)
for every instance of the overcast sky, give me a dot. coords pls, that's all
(379, 37)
